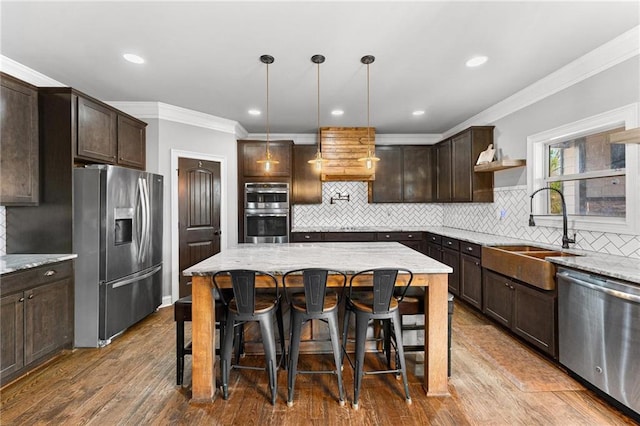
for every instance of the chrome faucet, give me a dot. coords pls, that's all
(565, 237)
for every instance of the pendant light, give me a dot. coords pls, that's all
(268, 161)
(370, 158)
(318, 160)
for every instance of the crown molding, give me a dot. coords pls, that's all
(162, 111)
(381, 139)
(24, 73)
(612, 53)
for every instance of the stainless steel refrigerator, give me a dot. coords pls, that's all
(118, 239)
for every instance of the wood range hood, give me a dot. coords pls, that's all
(341, 147)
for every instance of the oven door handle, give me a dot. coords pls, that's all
(266, 214)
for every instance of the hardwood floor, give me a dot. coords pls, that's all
(132, 381)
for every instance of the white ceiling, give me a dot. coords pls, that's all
(204, 55)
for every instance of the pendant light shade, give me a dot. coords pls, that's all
(370, 159)
(268, 161)
(318, 160)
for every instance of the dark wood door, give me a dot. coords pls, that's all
(417, 185)
(461, 167)
(19, 176)
(534, 317)
(387, 188)
(131, 143)
(452, 258)
(306, 184)
(48, 319)
(443, 171)
(198, 214)
(11, 333)
(97, 127)
(498, 297)
(471, 280)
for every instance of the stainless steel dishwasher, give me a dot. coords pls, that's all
(599, 333)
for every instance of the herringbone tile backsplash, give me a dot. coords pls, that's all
(507, 216)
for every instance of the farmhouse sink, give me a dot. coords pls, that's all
(524, 263)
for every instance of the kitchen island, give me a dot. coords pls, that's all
(346, 257)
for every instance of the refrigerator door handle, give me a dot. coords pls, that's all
(130, 280)
(143, 217)
(147, 247)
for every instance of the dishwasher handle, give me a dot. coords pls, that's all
(600, 287)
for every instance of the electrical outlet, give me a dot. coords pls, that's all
(503, 214)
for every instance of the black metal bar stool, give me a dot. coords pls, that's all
(251, 304)
(377, 303)
(315, 303)
(413, 304)
(182, 314)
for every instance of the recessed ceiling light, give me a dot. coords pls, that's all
(337, 112)
(254, 112)
(476, 61)
(133, 58)
(418, 112)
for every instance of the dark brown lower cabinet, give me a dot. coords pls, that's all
(528, 312)
(451, 257)
(471, 280)
(37, 317)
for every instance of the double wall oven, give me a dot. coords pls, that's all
(266, 212)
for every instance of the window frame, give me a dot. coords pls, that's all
(538, 163)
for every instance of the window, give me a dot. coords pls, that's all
(598, 178)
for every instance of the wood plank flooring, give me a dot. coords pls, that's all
(132, 381)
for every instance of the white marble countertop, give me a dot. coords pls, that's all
(17, 262)
(345, 257)
(619, 267)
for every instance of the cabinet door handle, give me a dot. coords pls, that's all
(21, 300)
(30, 296)
(477, 263)
(50, 272)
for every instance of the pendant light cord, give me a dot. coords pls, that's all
(319, 140)
(268, 154)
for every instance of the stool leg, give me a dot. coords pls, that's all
(361, 336)
(387, 340)
(332, 321)
(397, 324)
(294, 352)
(345, 333)
(283, 356)
(225, 356)
(269, 343)
(179, 352)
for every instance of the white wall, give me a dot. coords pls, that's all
(165, 137)
(610, 89)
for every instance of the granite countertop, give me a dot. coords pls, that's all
(619, 267)
(345, 257)
(16, 262)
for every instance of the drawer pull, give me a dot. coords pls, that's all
(449, 243)
(307, 236)
(49, 273)
(410, 236)
(387, 236)
(469, 248)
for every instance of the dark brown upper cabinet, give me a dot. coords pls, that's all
(19, 174)
(306, 183)
(455, 158)
(131, 143)
(403, 175)
(97, 138)
(97, 132)
(250, 151)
